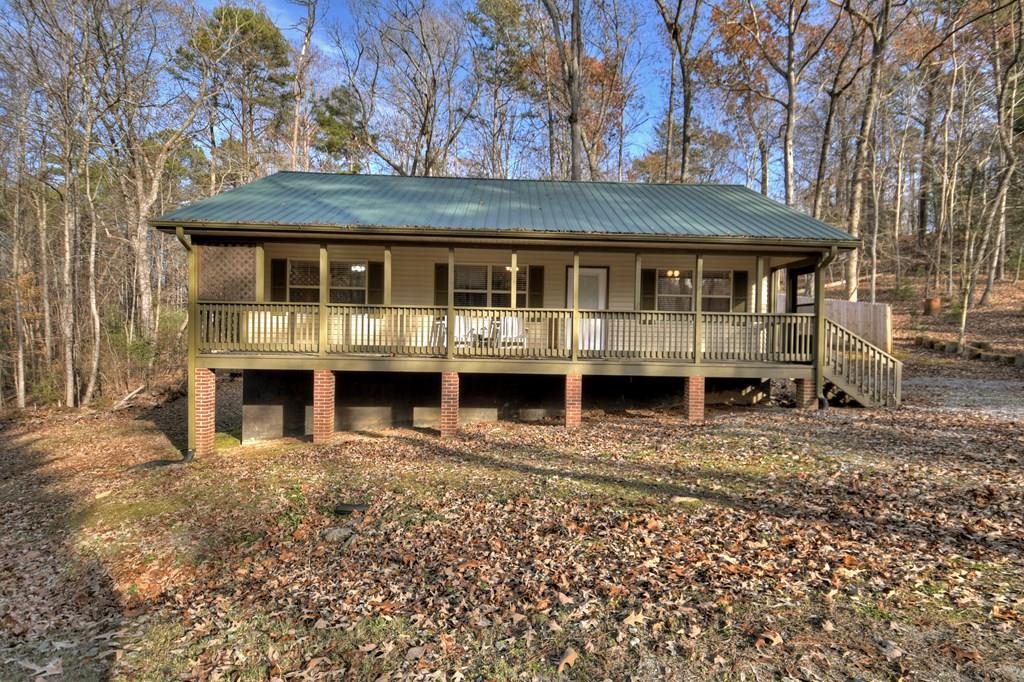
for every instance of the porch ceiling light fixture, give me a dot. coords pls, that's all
(358, 267)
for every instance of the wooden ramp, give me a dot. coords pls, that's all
(859, 369)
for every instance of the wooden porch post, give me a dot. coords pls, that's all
(698, 323)
(773, 290)
(575, 305)
(760, 305)
(193, 337)
(387, 274)
(637, 275)
(325, 290)
(450, 327)
(515, 272)
(819, 325)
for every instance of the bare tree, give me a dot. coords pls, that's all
(405, 61)
(570, 53)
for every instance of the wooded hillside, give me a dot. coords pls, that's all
(898, 121)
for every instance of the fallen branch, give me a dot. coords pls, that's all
(123, 402)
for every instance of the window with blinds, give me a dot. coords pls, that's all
(303, 281)
(489, 285)
(716, 291)
(347, 282)
(674, 290)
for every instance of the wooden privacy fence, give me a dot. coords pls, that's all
(871, 321)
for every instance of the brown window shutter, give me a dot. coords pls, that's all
(648, 285)
(375, 282)
(535, 286)
(739, 291)
(440, 284)
(278, 280)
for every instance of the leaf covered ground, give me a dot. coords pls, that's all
(764, 544)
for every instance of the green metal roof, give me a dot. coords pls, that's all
(366, 202)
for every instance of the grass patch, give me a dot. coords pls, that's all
(111, 514)
(225, 441)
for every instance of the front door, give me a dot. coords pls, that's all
(593, 296)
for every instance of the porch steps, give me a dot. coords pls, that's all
(859, 370)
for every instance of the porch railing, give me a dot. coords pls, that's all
(636, 334)
(387, 330)
(259, 327)
(758, 337)
(537, 333)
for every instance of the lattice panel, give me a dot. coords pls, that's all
(227, 273)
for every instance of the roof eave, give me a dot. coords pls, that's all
(361, 230)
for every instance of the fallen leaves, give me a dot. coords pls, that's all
(651, 538)
(768, 637)
(567, 660)
(635, 618)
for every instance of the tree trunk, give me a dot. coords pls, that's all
(880, 37)
(670, 124)
(575, 93)
(44, 276)
(67, 311)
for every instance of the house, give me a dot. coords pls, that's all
(319, 287)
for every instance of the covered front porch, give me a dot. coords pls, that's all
(257, 303)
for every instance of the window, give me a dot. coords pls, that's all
(674, 290)
(501, 286)
(303, 281)
(347, 282)
(716, 291)
(471, 285)
(489, 285)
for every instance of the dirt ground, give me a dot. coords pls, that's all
(1001, 323)
(764, 544)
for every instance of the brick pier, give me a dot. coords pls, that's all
(573, 400)
(805, 397)
(206, 410)
(449, 424)
(693, 398)
(323, 405)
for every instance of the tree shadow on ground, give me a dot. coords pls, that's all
(170, 417)
(58, 606)
(938, 516)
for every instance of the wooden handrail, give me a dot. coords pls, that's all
(864, 371)
(490, 332)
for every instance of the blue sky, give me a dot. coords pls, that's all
(288, 16)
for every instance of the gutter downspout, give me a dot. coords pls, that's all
(193, 280)
(819, 328)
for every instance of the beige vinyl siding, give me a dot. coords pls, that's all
(412, 268)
